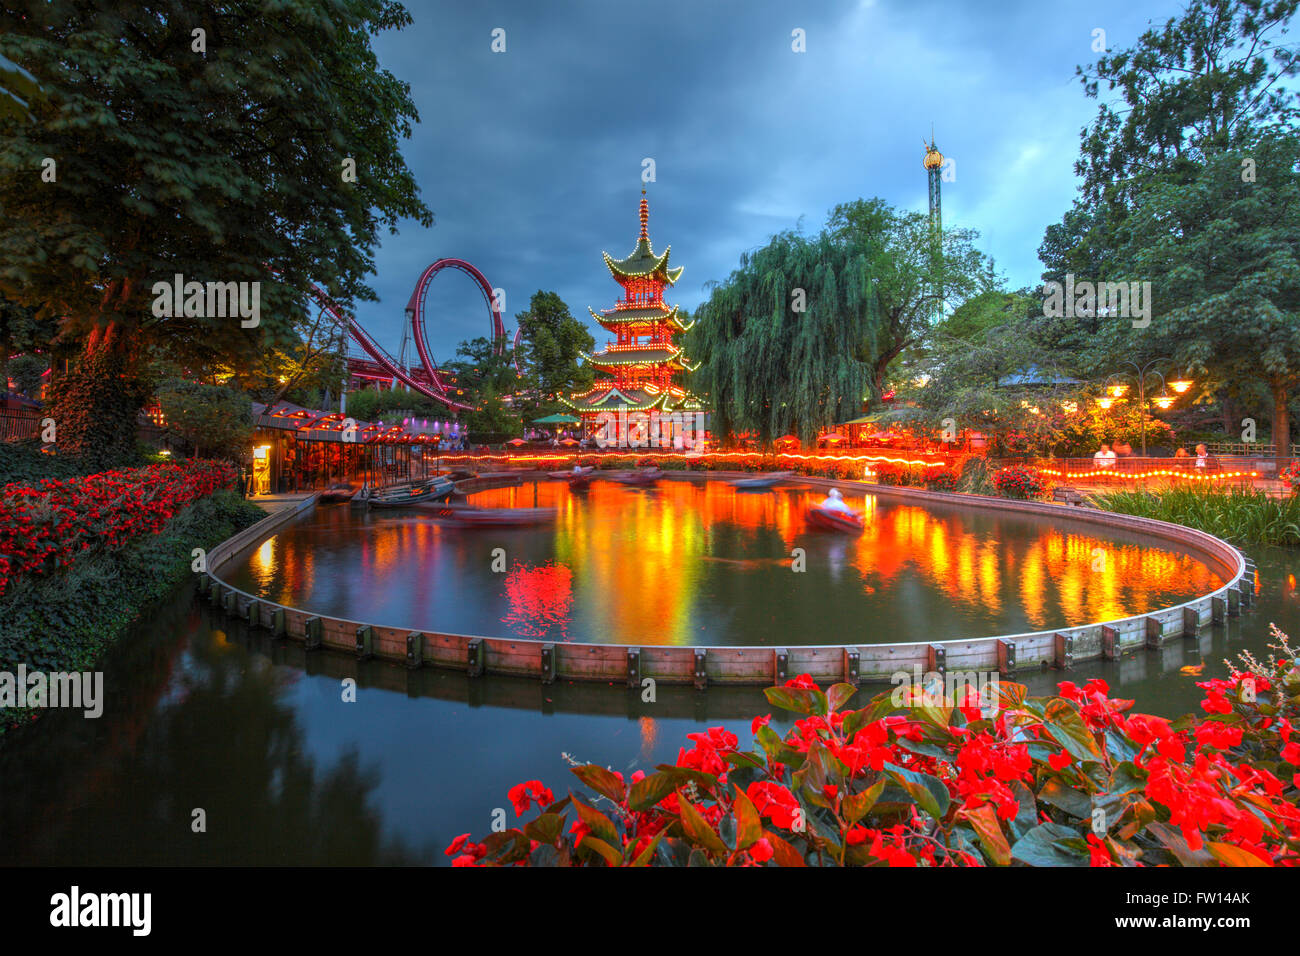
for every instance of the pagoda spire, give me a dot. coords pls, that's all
(645, 218)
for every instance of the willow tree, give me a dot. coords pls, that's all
(240, 142)
(786, 343)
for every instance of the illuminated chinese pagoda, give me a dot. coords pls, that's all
(637, 371)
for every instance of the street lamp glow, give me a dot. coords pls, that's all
(1105, 403)
(1117, 391)
(1181, 385)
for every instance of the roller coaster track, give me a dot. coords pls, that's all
(436, 388)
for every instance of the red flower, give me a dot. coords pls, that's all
(761, 851)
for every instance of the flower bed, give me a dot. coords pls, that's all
(45, 525)
(919, 780)
(1014, 481)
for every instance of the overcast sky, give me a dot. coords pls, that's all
(531, 159)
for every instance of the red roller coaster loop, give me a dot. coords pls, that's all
(438, 388)
(415, 310)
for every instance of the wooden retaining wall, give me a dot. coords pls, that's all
(702, 666)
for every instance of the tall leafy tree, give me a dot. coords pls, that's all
(786, 344)
(553, 341)
(1213, 76)
(1223, 255)
(212, 142)
(914, 275)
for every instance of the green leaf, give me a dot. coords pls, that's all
(800, 700)
(644, 857)
(837, 695)
(1066, 726)
(697, 828)
(546, 828)
(598, 823)
(1039, 847)
(649, 790)
(984, 820)
(927, 791)
(602, 781)
(749, 826)
(858, 805)
(882, 705)
(1230, 855)
(597, 845)
(1065, 797)
(782, 852)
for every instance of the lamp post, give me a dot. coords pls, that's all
(1139, 375)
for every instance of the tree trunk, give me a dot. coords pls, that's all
(1281, 422)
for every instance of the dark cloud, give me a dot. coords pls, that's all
(531, 159)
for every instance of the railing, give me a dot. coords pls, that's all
(1132, 468)
(1248, 449)
(17, 424)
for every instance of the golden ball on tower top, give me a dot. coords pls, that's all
(933, 158)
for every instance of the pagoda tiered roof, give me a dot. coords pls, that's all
(617, 356)
(610, 398)
(643, 262)
(641, 315)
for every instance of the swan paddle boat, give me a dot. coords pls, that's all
(834, 515)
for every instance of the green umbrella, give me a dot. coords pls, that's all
(557, 420)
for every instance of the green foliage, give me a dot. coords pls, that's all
(26, 372)
(975, 476)
(767, 368)
(553, 339)
(1167, 197)
(94, 405)
(28, 461)
(221, 166)
(1234, 514)
(485, 379)
(66, 621)
(216, 421)
(869, 285)
(371, 406)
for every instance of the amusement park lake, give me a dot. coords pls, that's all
(201, 712)
(698, 562)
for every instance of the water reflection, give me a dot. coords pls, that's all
(696, 562)
(201, 712)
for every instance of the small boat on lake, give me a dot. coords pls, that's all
(759, 482)
(491, 517)
(339, 491)
(403, 496)
(640, 477)
(578, 478)
(828, 519)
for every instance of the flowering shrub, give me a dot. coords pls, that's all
(1073, 779)
(46, 524)
(1014, 481)
(1290, 476)
(942, 479)
(907, 476)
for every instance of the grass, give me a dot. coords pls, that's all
(1235, 514)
